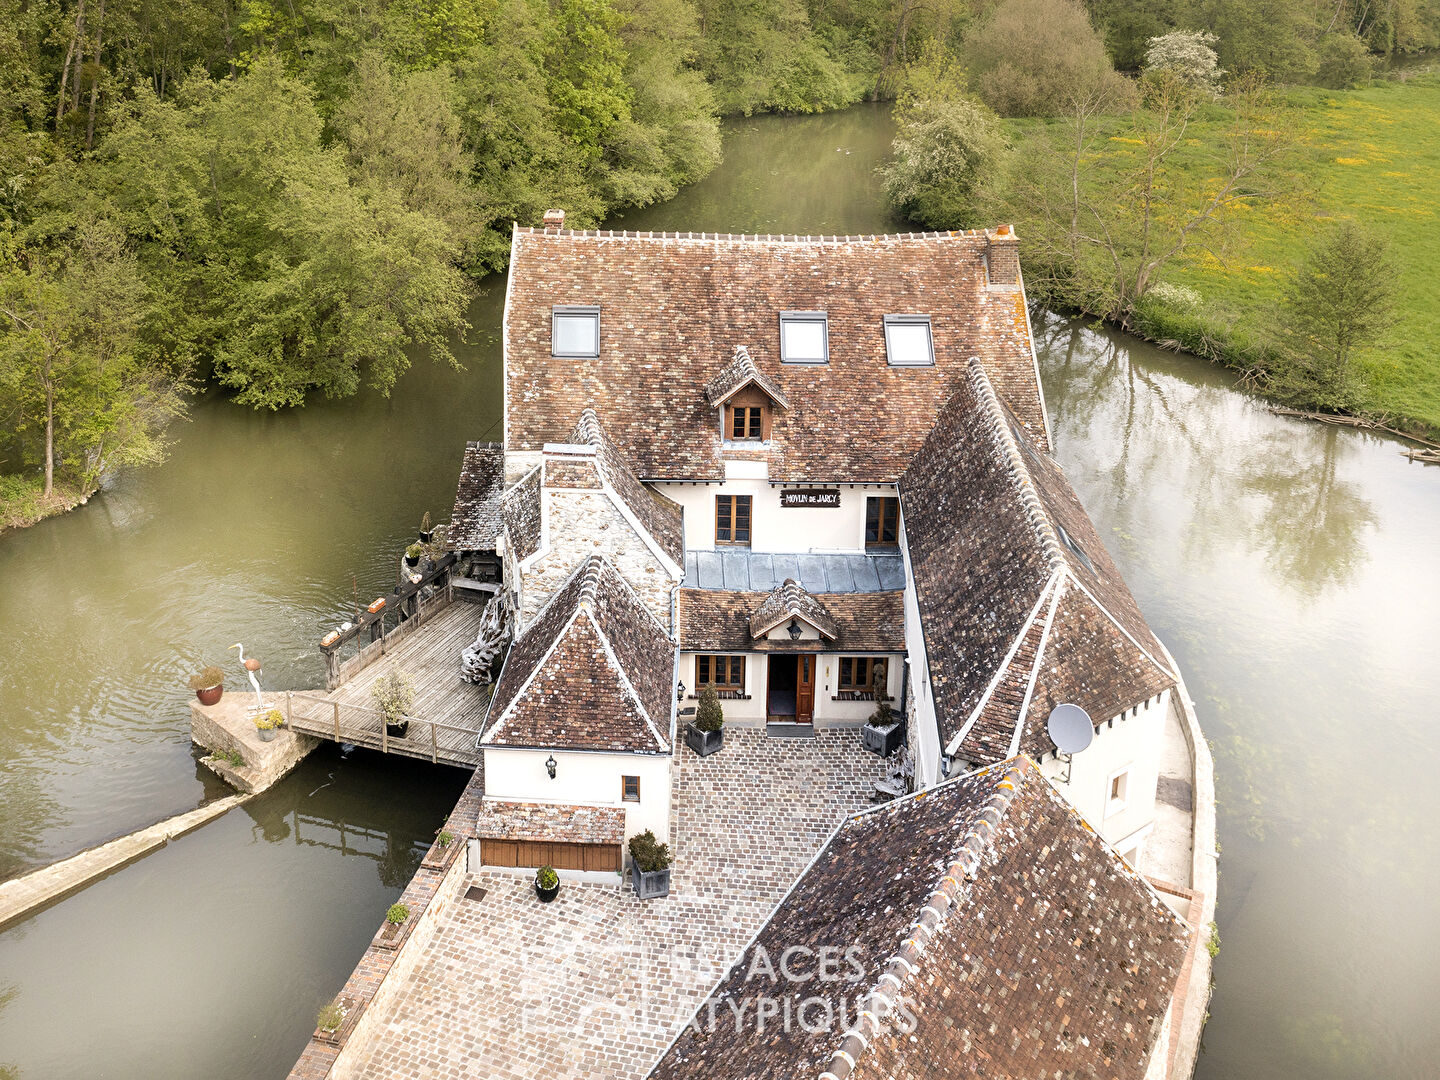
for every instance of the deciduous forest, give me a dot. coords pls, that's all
(287, 198)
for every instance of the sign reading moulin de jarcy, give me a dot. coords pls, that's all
(829, 497)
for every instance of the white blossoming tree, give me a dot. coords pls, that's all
(1188, 56)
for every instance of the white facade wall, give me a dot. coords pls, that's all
(585, 779)
(775, 529)
(827, 709)
(1131, 744)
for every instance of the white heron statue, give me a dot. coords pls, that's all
(251, 667)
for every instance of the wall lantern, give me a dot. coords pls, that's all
(550, 766)
(794, 630)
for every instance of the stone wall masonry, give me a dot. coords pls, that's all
(228, 727)
(585, 523)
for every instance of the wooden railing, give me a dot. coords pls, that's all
(376, 624)
(364, 726)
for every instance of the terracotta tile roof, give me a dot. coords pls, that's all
(550, 822)
(738, 374)
(978, 929)
(521, 513)
(661, 517)
(594, 670)
(787, 600)
(1020, 604)
(674, 307)
(475, 520)
(718, 620)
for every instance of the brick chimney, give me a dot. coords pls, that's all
(554, 220)
(1002, 256)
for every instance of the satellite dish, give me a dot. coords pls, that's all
(1070, 728)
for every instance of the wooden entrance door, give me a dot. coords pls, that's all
(805, 689)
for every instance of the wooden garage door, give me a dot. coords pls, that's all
(535, 853)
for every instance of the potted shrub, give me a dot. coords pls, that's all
(267, 723)
(412, 555)
(208, 684)
(426, 535)
(547, 884)
(649, 866)
(706, 733)
(882, 732)
(393, 694)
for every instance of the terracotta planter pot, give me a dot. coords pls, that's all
(210, 695)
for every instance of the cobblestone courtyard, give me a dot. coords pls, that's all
(595, 984)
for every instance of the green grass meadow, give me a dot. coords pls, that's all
(1373, 156)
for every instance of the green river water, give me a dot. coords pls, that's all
(1291, 568)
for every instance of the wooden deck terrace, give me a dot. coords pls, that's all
(446, 713)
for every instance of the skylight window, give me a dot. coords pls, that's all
(804, 337)
(575, 331)
(908, 342)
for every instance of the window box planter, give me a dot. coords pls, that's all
(883, 741)
(651, 884)
(704, 743)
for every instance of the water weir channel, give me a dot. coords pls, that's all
(1291, 568)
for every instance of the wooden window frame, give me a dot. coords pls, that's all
(856, 663)
(625, 795)
(877, 505)
(757, 419)
(732, 505)
(733, 664)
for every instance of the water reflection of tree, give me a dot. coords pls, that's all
(7, 995)
(1312, 522)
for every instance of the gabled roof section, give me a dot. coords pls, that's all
(790, 600)
(718, 620)
(658, 517)
(670, 304)
(475, 521)
(594, 670)
(1020, 604)
(738, 374)
(939, 975)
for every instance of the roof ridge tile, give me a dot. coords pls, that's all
(1015, 462)
(880, 1002)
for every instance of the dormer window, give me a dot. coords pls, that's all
(574, 331)
(908, 342)
(804, 337)
(747, 416)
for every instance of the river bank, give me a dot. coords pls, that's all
(1369, 156)
(23, 501)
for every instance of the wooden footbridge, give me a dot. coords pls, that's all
(446, 713)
